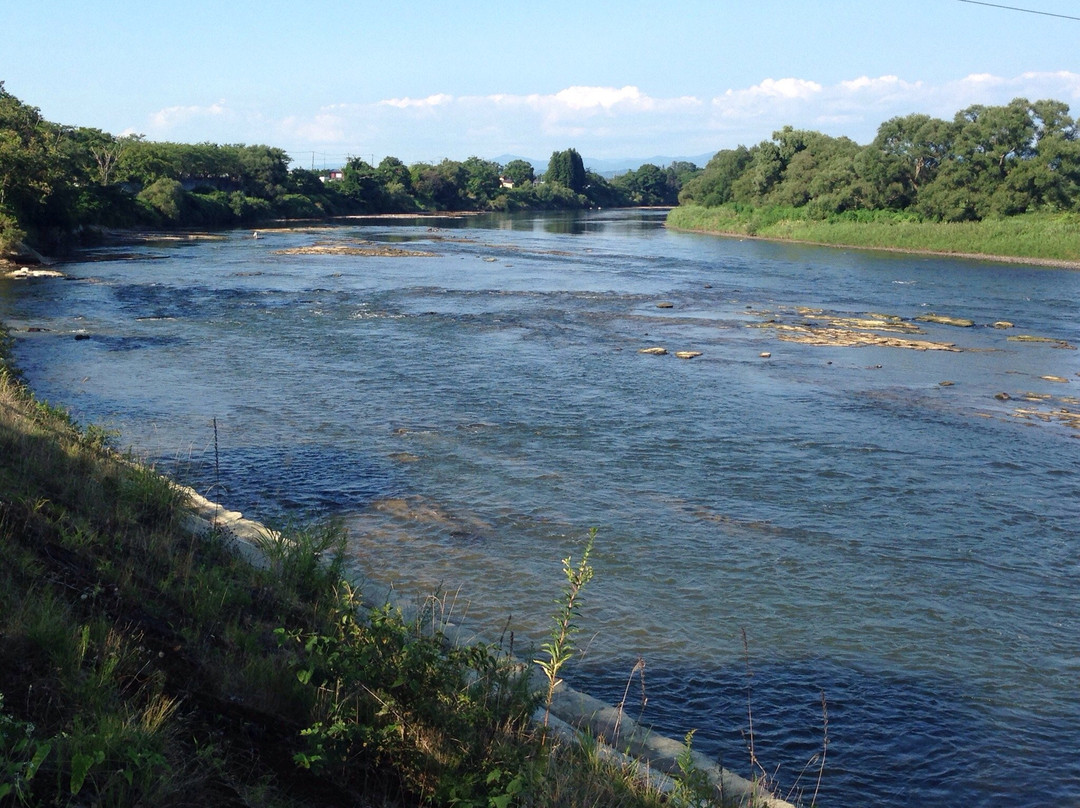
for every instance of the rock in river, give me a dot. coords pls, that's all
(941, 319)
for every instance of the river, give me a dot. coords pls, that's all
(874, 546)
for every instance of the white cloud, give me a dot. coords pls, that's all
(325, 127)
(171, 117)
(779, 88)
(438, 100)
(586, 98)
(600, 121)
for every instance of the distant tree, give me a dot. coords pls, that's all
(603, 194)
(35, 181)
(440, 187)
(649, 185)
(144, 162)
(819, 169)
(481, 181)
(302, 181)
(264, 170)
(392, 170)
(566, 168)
(764, 169)
(361, 184)
(713, 186)
(519, 172)
(167, 198)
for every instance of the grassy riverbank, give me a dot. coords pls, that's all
(145, 663)
(1041, 238)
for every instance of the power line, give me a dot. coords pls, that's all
(1025, 10)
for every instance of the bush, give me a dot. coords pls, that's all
(167, 198)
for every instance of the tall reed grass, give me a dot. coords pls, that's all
(1036, 236)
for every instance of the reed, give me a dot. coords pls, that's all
(1036, 236)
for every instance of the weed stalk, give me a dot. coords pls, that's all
(560, 647)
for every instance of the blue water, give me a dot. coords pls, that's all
(827, 524)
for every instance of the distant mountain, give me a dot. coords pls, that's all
(610, 167)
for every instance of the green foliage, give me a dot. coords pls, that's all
(21, 756)
(10, 233)
(693, 789)
(520, 173)
(560, 647)
(1042, 236)
(57, 181)
(988, 161)
(167, 197)
(388, 690)
(567, 169)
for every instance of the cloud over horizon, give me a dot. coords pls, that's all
(602, 121)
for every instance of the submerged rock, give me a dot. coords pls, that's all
(941, 319)
(365, 248)
(1057, 343)
(845, 337)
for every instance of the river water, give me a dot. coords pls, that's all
(826, 525)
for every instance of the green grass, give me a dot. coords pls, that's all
(1035, 236)
(141, 664)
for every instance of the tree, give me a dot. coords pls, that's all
(440, 186)
(482, 182)
(913, 148)
(263, 171)
(519, 172)
(763, 170)
(713, 186)
(30, 168)
(361, 184)
(567, 169)
(649, 185)
(167, 197)
(820, 172)
(392, 170)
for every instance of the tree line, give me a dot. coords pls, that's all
(987, 161)
(57, 182)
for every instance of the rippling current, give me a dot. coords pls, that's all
(876, 529)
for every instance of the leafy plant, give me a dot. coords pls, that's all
(559, 649)
(693, 789)
(21, 756)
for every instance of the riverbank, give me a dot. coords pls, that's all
(155, 647)
(1051, 240)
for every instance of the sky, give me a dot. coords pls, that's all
(424, 80)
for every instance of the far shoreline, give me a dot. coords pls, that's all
(1052, 263)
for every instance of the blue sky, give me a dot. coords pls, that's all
(427, 80)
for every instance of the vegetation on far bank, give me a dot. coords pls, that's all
(58, 183)
(995, 180)
(1038, 237)
(987, 162)
(142, 663)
